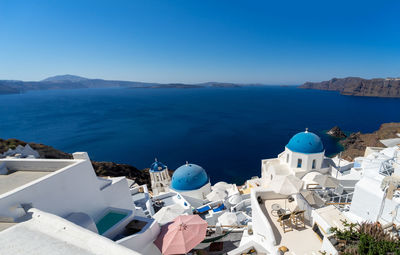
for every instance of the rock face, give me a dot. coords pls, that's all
(101, 168)
(336, 132)
(44, 150)
(355, 144)
(355, 86)
(113, 169)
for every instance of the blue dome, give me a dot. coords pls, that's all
(305, 142)
(157, 166)
(189, 177)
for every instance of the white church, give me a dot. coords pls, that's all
(189, 180)
(303, 154)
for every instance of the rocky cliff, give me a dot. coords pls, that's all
(336, 132)
(101, 168)
(355, 144)
(354, 86)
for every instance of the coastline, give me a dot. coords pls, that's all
(353, 146)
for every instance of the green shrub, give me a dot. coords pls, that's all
(366, 239)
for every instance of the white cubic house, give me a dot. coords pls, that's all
(60, 206)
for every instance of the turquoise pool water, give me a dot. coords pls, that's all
(109, 220)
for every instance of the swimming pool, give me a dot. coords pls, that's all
(110, 219)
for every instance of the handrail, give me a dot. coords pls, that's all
(386, 167)
(248, 201)
(348, 203)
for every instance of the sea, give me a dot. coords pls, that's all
(227, 131)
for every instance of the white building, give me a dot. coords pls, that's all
(304, 153)
(377, 196)
(21, 152)
(192, 182)
(160, 179)
(303, 157)
(67, 195)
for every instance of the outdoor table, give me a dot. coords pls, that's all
(275, 207)
(281, 212)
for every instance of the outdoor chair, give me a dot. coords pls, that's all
(297, 218)
(286, 222)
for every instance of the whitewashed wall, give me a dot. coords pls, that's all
(75, 188)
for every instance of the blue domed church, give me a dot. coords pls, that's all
(191, 180)
(303, 153)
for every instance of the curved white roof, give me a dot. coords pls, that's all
(47, 233)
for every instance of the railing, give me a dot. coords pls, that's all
(387, 168)
(241, 205)
(342, 199)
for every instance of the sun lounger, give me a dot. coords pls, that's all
(203, 209)
(219, 208)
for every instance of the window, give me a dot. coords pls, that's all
(313, 164)
(299, 161)
(287, 158)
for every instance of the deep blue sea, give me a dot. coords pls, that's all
(226, 130)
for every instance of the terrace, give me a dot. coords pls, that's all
(17, 179)
(292, 239)
(24, 171)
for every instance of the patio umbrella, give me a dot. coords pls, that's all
(221, 185)
(312, 198)
(287, 185)
(235, 199)
(217, 195)
(228, 219)
(308, 180)
(326, 181)
(168, 213)
(182, 235)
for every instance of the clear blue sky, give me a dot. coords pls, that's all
(270, 42)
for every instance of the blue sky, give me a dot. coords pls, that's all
(270, 42)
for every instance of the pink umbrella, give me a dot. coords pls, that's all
(182, 235)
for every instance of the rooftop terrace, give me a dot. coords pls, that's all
(293, 240)
(24, 171)
(16, 179)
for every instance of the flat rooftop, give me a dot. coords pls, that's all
(293, 240)
(50, 234)
(5, 225)
(24, 171)
(19, 178)
(331, 215)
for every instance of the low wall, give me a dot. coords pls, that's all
(261, 225)
(328, 247)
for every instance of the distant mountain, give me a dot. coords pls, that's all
(355, 86)
(76, 82)
(65, 78)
